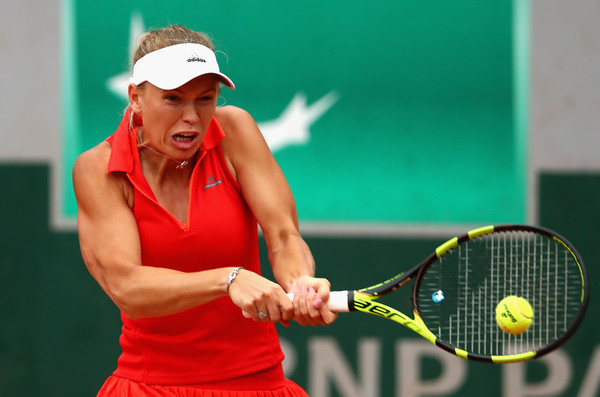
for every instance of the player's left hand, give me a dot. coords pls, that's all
(310, 301)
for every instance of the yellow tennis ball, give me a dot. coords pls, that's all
(514, 314)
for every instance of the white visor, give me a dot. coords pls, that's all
(173, 66)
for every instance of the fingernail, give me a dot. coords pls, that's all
(311, 291)
(318, 303)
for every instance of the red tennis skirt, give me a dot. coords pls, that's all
(269, 383)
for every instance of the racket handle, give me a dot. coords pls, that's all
(338, 301)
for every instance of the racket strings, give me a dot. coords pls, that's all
(477, 274)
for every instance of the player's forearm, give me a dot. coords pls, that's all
(290, 259)
(155, 292)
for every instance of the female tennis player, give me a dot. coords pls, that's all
(168, 212)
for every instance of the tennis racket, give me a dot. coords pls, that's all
(458, 287)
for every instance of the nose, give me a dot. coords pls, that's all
(190, 114)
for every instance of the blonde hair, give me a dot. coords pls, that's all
(161, 38)
(164, 37)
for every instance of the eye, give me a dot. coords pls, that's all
(171, 98)
(206, 98)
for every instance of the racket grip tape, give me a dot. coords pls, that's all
(338, 301)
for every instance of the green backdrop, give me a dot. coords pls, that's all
(422, 126)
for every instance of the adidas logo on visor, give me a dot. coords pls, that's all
(196, 58)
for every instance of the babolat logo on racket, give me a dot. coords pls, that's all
(378, 309)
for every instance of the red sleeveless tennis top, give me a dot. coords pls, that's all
(211, 342)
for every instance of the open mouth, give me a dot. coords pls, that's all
(185, 137)
(185, 140)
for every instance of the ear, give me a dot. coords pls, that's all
(136, 108)
(134, 99)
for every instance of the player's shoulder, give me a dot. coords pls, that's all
(90, 179)
(231, 112)
(233, 118)
(94, 160)
(242, 135)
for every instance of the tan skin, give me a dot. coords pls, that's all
(108, 233)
